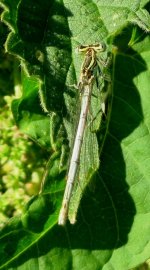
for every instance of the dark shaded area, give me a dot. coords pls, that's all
(46, 46)
(40, 29)
(6, 66)
(3, 31)
(147, 7)
(129, 36)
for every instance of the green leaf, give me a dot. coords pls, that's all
(29, 115)
(112, 229)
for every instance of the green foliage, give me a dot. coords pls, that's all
(115, 205)
(20, 169)
(21, 161)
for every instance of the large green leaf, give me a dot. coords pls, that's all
(112, 229)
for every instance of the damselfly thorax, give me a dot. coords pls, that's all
(89, 63)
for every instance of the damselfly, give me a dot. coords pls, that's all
(89, 71)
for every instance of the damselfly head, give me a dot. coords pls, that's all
(96, 47)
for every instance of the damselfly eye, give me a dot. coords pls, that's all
(102, 46)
